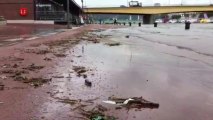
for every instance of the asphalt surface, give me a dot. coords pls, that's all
(166, 65)
(15, 33)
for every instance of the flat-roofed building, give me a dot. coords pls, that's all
(45, 10)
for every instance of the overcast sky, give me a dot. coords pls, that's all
(113, 3)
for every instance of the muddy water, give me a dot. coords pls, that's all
(166, 65)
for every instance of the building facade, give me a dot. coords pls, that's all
(38, 9)
(10, 9)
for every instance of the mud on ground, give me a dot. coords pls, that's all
(25, 66)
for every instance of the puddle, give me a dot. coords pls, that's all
(140, 68)
(14, 40)
(28, 33)
(32, 38)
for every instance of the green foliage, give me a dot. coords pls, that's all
(176, 16)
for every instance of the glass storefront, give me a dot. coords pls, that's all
(50, 10)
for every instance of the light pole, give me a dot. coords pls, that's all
(68, 15)
(82, 1)
(181, 3)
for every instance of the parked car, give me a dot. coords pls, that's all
(192, 20)
(159, 21)
(205, 20)
(173, 21)
(181, 21)
(211, 19)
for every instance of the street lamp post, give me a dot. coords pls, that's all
(82, 2)
(68, 15)
(84, 14)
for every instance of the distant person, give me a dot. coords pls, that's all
(100, 21)
(81, 20)
(115, 21)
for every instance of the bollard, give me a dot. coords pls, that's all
(130, 24)
(155, 24)
(187, 25)
(139, 24)
(124, 24)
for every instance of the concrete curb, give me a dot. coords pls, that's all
(30, 22)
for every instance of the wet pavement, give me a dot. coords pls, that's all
(165, 65)
(15, 33)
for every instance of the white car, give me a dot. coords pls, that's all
(158, 21)
(181, 21)
(192, 20)
(211, 19)
(173, 21)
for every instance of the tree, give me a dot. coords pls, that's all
(176, 16)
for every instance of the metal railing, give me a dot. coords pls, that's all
(58, 16)
(51, 15)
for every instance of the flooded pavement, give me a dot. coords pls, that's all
(16, 33)
(148, 73)
(166, 65)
